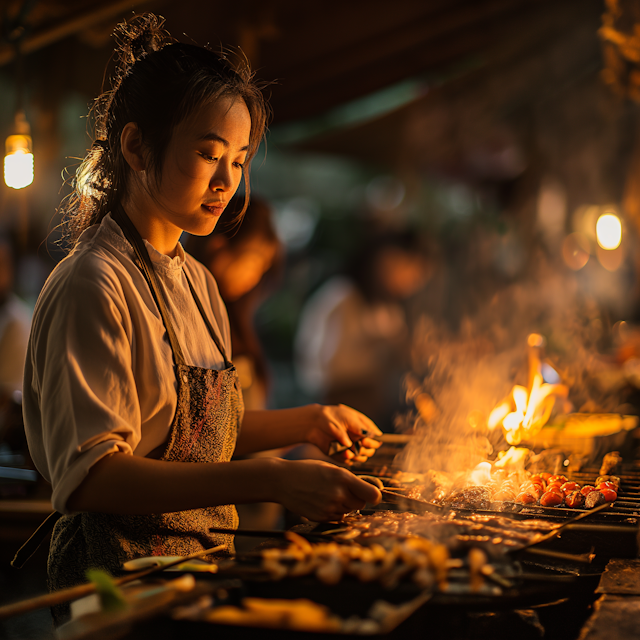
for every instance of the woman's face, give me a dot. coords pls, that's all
(203, 166)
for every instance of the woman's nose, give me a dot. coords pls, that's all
(221, 180)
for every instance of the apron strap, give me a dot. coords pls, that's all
(212, 331)
(145, 265)
(37, 538)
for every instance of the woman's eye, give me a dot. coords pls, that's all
(207, 157)
(239, 165)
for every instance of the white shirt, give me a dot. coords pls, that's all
(344, 340)
(99, 374)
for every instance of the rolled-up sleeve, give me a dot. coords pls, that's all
(80, 396)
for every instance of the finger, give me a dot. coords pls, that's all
(368, 425)
(364, 491)
(354, 505)
(358, 422)
(335, 517)
(336, 433)
(344, 456)
(370, 443)
(364, 453)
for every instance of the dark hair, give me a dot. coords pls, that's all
(157, 84)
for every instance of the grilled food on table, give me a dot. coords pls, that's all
(494, 534)
(417, 559)
(544, 489)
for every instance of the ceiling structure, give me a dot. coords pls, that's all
(486, 87)
(318, 53)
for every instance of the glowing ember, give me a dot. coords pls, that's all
(527, 410)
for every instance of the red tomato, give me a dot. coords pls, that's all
(538, 479)
(551, 499)
(587, 489)
(568, 487)
(545, 476)
(526, 498)
(609, 495)
(555, 486)
(557, 478)
(607, 485)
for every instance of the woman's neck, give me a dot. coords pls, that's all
(161, 234)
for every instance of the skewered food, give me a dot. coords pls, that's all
(574, 499)
(547, 490)
(610, 462)
(475, 498)
(615, 480)
(417, 559)
(594, 499)
(299, 615)
(551, 499)
(492, 533)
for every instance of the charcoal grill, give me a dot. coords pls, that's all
(610, 533)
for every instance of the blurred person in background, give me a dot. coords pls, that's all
(15, 324)
(352, 343)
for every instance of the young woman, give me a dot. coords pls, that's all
(131, 403)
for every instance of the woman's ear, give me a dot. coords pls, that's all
(131, 144)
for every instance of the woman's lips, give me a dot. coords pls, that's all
(215, 209)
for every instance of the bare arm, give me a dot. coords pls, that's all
(126, 484)
(315, 423)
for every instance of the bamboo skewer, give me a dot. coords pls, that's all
(73, 593)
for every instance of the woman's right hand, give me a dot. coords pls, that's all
(321, 491)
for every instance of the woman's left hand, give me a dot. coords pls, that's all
(339, 423)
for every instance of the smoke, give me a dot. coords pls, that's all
(458, 378)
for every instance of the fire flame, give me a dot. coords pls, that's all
(527, 410)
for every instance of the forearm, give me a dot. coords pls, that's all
(126, 484)
(272, 429)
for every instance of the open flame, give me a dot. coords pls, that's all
(527, 409)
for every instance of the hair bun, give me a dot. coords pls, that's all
(139, 37)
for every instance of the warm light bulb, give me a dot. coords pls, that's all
(18, 161)
(609, 231)
(18, 170)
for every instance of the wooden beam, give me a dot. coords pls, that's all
(79, 22)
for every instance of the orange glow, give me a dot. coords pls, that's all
(527, 410)
(611, 260)
(576, 250)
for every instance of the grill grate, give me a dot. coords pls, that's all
(610, 533)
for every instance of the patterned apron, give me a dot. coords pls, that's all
(204, 429)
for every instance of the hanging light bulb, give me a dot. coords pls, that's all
(609, 231)
(18, 161)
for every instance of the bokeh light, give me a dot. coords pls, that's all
(576, 250)
(610, 259)
(609, 231)
(18, 163)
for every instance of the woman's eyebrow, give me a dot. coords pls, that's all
(216, 138)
